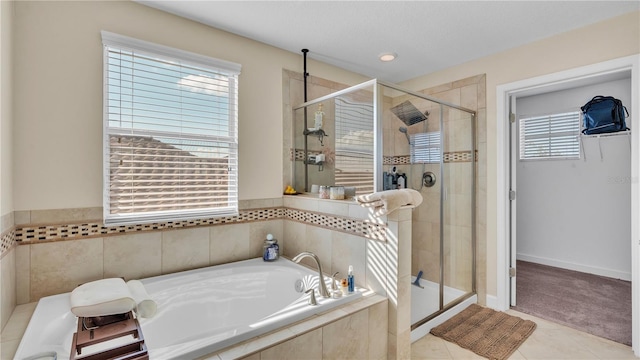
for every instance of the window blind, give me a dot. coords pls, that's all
(425, 148)
(170, 139)
(354, 145)
(555, 136)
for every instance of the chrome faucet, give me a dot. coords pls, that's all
(322, 286)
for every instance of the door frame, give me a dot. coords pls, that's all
(559, 79)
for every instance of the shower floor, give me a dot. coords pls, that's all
(425, 302)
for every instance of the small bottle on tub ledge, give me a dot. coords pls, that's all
(351, 280)
(270, 248)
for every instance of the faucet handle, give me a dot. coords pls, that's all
(333, 281)
(312, 296)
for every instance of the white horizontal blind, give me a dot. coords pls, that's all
(555, 136)
(171, 144)
(425, 148)
(354, 145)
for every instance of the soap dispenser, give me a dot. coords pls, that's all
(271, 249)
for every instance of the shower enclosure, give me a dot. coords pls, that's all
(378, 136)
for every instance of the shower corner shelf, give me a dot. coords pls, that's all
(319, 163)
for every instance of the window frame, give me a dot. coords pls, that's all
(165, 53)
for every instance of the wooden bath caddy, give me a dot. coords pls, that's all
(95, 330)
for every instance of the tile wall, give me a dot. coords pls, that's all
(341, 233)
(7, 268)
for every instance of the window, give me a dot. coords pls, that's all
(354, 145)
(170, 133)
(554, 136)
(425, 148)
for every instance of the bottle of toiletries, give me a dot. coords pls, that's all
(394, 178)
(318, 118)
(344, 286)
(350, 280)
(401, 181)
(271, 249)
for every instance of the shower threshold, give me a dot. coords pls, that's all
(425, 302)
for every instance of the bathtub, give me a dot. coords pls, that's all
(199, 311)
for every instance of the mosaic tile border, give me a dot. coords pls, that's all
(34, 234)
(453, 156)
(7, 241)
(351, 226)
(449, 157)
(92, 229)
(299, 154)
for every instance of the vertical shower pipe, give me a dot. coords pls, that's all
(306, 126)
(442, 199)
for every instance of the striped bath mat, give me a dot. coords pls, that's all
(486, 332)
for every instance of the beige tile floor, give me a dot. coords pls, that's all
(548, 342)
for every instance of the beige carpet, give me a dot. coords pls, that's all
(486, 332)
(595, 304)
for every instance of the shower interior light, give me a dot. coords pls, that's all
(387, 56)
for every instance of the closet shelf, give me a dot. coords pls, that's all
(618, 133)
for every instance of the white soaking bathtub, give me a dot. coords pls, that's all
(199, 311)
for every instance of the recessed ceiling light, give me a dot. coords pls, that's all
(387, 56)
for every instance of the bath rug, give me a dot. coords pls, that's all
(489, 333)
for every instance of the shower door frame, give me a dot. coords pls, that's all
(378, 97)
(441, 306)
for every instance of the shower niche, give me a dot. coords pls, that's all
(376, 129)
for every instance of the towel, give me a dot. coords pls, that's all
(101, 297)
(387, 201)
(145, 306)
(111, 296)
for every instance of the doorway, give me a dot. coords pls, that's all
(506, 251)
(573, 211)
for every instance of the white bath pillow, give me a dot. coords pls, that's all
(145, 306)
(102, 297)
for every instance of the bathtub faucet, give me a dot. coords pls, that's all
(322, 286)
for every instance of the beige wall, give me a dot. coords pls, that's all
(7, 259)
(58, 96)
(6, 108)
(614, 38)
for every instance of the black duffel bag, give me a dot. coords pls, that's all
(603, 114)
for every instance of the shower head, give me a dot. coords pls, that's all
(408, 113)
(404, 130)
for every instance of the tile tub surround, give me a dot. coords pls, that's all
(341, 232)
(47, 263)
(549, 341)
(362, 325)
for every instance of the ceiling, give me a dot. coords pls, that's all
(427, 35)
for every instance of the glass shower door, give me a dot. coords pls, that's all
(458, 205)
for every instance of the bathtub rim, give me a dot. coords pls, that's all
(282, 329)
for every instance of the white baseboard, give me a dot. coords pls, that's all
(577, 267)
(492, 302)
